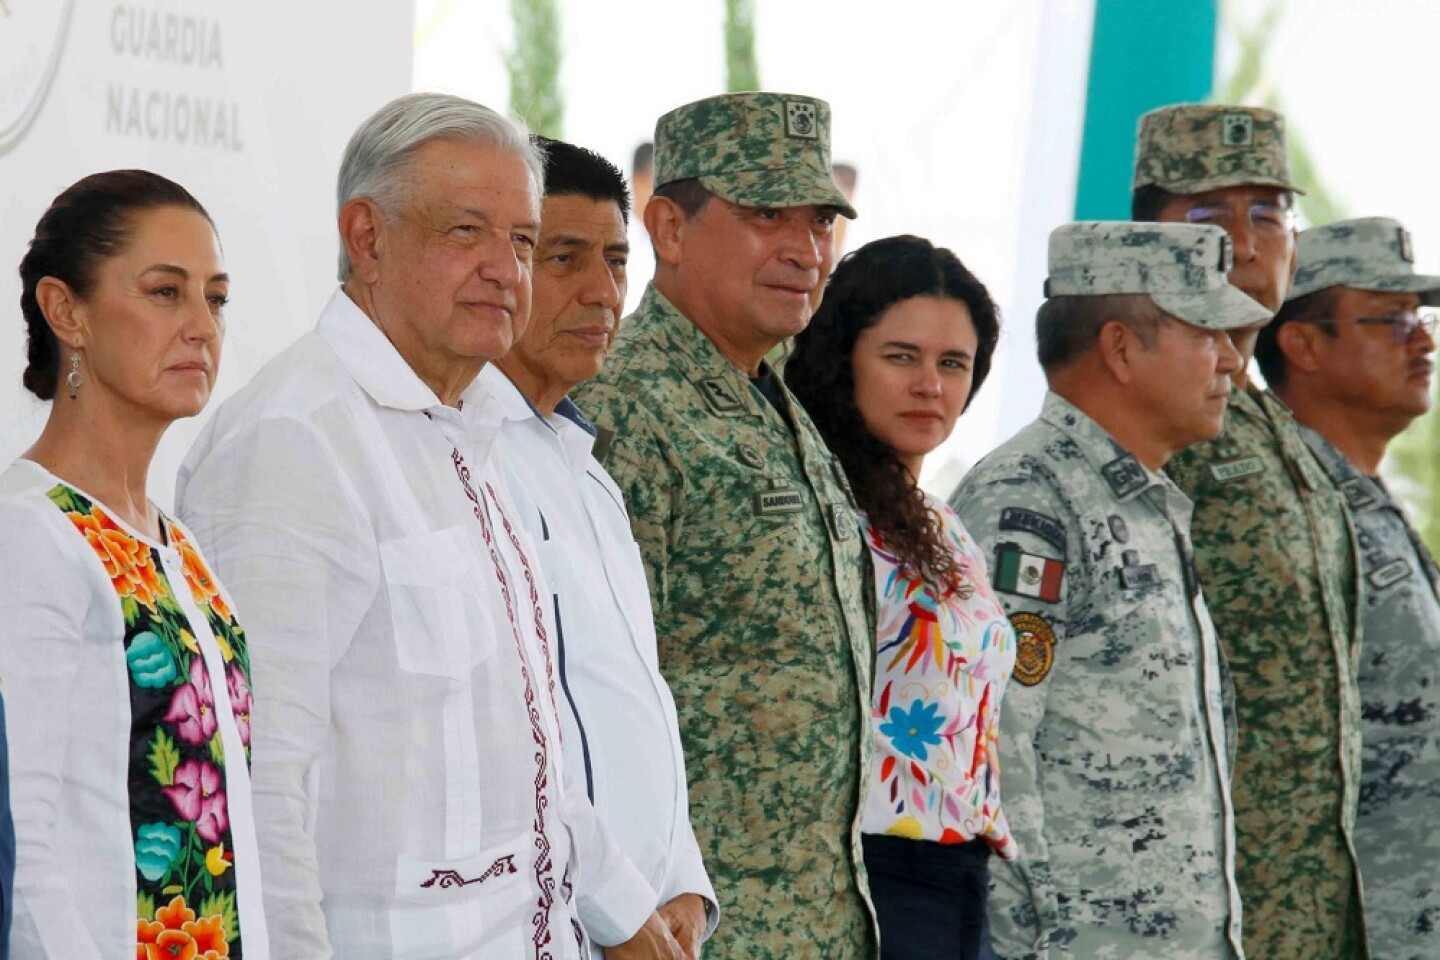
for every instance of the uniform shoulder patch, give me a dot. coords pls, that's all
(1027, 575)
(1034, 648)
(1047, 528)
(719, 396)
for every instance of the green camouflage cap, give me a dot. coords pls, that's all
(1184, 267)
(1191, 148)
(753, 149)
(1369, 253)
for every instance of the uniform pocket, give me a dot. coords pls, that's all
(439, 621)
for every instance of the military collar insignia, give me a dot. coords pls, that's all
(1125, 476)
(720, 396)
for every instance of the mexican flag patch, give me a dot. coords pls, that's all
(1026, 575)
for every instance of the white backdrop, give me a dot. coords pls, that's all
(247, 104)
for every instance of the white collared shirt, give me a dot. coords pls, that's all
(407, 747)
(126, 747)
(621, 735)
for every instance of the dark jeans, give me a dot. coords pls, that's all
(930, 897)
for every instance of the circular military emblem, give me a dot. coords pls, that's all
(1034, 648)
(750, 456)
(32, 35)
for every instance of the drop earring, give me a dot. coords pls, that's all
(73, 380)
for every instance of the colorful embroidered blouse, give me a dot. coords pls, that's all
(941, 666)
(127, 679)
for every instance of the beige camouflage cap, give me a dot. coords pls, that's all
(1184, 267)
(1191, 148)
(753, 149)
(1369, 253)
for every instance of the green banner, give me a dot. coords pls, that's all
(1143, 54)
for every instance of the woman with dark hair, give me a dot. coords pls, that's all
(127, 676)
(901, 343)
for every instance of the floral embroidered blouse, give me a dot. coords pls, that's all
(127, 686)
(941, 666)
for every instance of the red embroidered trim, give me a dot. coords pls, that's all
(544, 866)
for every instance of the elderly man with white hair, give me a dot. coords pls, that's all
(406, 736)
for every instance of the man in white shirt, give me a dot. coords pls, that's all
(406, 734)
(620, 713)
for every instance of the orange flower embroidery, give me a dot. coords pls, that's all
(175, 934)
(127, 561)
(202, 585)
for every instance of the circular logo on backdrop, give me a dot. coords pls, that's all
(32, 36)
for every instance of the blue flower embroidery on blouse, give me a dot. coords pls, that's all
(911, 731)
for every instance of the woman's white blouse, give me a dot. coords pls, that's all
(126, 688)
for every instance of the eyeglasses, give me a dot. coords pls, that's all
(1402, 323)
(1266, 219)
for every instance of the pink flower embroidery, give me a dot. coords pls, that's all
(192, 709)
(197, 798)
(241, 701)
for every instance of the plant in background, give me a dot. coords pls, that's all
(1414, 456)
(534, 66)
(741, 70)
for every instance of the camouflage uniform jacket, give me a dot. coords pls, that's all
(764, 615)
(1112, 735)
(1275, 552)
(1395, 835)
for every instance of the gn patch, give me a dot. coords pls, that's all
(1034, 648)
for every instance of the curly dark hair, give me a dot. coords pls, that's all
(90, 222)
(864, 285)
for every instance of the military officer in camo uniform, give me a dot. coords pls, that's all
(1275, 551)
(758, 576)
(1113, 740)
(1351, 353)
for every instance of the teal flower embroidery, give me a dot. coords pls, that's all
(910, 731)
(150, 661)
(156, 845)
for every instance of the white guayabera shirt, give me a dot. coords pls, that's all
(622, 740)
(407, 767)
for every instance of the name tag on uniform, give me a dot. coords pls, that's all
(779, 500)
(1389, 575)
(1235, 469)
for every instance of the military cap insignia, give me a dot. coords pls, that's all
(1047, 528)
(1407, 252)
(1125, 475)
(1237, 130)
(719, 396)
(1027, 575)
(800, 120)
(1034, 648)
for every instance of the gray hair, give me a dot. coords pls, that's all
(375, 160)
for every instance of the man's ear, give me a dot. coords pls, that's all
(665, 222)
(1117, 346)
(362, 231)
(1299, 343)
(64, 311)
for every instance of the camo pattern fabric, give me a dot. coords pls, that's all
(1367, 253)
(1395, 834)
(754, 149)
(761, 584)
(1194, 148)
(1276, 556)
(1112, 734)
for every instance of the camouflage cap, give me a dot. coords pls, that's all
(753, 149)
(1184, 268)
(1370, 253)
(1191, 148)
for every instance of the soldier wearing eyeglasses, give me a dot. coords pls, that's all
(1275, 551)
(1351, 353)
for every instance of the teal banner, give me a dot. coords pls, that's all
(1143, 54)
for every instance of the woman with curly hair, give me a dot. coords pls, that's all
(901, 343)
